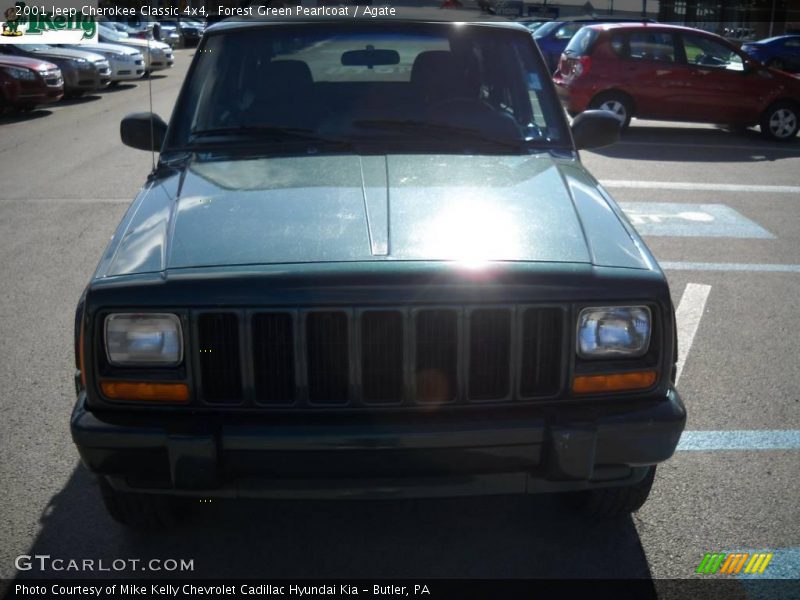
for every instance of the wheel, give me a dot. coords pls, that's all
(139, 511)
(617, 103)
(780, 121)
(615, 501)
(777, 63)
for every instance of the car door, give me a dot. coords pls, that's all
(651, 73)
(718, 86)
(791, 51)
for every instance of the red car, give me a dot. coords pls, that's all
(27, 82)
(655, 71)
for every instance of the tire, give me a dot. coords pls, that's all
(139, 511)
(617, 103)
(780, 121)
(612, 502)
(777, 63)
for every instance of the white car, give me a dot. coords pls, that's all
(126, 62)
(157, 55)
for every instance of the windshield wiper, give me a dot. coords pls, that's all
(434, 127)
(264, 133)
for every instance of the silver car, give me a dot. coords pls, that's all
(126, 63)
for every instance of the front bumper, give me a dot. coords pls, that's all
(127, 71)
(557, 450)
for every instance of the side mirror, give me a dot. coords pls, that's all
(143, 131)
(595, 129)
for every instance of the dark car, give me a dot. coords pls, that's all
(676, 74)
(82, 71)
(782, 52)
(26, 83)
(189, 33)
(553, 37)
(369, 263)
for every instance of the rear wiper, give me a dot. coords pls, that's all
(435, 127)
(267, 133)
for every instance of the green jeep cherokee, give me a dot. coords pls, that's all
(369, 263)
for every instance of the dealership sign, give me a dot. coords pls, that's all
(37, 24)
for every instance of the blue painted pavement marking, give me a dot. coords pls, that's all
(705, 266)
(779, 581)
(785, 564)
(768, 439)
(691, 220)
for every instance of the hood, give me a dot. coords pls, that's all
(60, 52)
(25, 62)
(314, 209)
(140, 43)
(114, 49)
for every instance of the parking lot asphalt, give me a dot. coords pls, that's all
(67, 180)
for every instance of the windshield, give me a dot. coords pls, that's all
(35, 47)
(112, 34)
(467, 86)
(546, 29)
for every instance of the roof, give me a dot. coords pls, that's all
(639, 25)
(409, 15)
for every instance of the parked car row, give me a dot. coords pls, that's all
(667, 72)
(183, 33)
(35, 74)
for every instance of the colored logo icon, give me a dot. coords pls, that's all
(732, 564)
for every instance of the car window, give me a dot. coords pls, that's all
(546, 29)
(618, 44)
(335, 82)
(652, 46)
(706, 52)
(565, 32)
(581, 43)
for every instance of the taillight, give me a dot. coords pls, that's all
(581, 66)
(572, 67)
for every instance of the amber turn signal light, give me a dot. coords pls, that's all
(617, 382)
(145, 392)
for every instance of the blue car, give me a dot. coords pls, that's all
(553, 37)
(781, 52)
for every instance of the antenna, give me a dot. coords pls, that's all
(152, 117)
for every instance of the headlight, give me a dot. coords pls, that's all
(615, 331)
(143, 339)
(80, 63)
(21, 73)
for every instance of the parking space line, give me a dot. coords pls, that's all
(766, 439)
(69, 200)
(688, 315)
(732, 147)
(699, 187)
(704, 266)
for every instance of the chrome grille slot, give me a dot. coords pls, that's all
(328, 357)
(382, 356)
(489, 354)
(218, 353)
(273, 358)
(436, 366)
(542, 345)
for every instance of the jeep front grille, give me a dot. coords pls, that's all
(218, 353)
(380, 357)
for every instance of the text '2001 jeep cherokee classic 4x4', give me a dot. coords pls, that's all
(369, 263)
